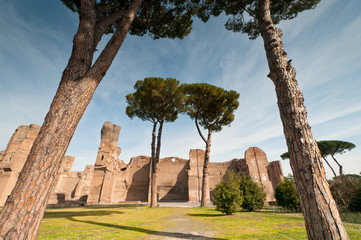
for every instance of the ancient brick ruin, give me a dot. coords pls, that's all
(111, 181)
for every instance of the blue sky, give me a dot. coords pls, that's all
(324, 45)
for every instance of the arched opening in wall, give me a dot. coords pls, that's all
(102, 157)
(173, 159)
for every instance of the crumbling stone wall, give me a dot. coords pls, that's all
(135, 180)
(83, 187)
(13, 158)
(106, 167)
(111, 181)
(266, 174)
(71, 188)
(217, 172)
(173, 179)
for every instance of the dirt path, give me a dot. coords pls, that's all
(182, 226)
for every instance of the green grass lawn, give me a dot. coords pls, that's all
(139, 222)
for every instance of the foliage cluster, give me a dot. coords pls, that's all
(346, 191)
(333, 147)
(330, 148)
(253, 194)
(156, 100)
(235, 191)
(287, 196)
(157, 18)
(227, 196)
(210, 106)
(244, 14)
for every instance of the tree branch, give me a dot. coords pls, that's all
(82, 51)
(108, 54)
(103, 24)
(103, 8)
(215, 122)
(339, 165)
(157, 154)
(333, 171)
(240, 3)
(199, 131)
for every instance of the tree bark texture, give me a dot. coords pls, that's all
(155, 169)
(205, 185)
(24, 209)
(154, 185)
(320, 212)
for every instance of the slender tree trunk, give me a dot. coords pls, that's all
(152, 160)
(154, 197)
(24, 209)
(319, 208)
(333, 171)
(339, 165)
(153, 166)
(205, 185)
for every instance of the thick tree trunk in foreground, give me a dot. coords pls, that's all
(205, 185)
(155, 169)
(319, 209)
(24, 209)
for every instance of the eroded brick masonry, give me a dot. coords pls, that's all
(111, 181)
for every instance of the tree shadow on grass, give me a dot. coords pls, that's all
(148, 231)
(114, 206)
(69, 214)
(206, 214)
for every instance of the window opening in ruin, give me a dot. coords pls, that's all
(219, 173)
(173, 160)
(102, 157)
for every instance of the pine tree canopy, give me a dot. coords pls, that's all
(244, 13)
(158, 18)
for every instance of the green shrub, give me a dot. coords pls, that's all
(253, 194)
(227, 195)
(346, 191)
(355, 202)
(287, 196)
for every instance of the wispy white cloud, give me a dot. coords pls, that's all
(296, 27)
(324, 53)
(32, 58)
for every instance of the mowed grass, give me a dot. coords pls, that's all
(141, 222)
(263, 225)
(115, 222)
